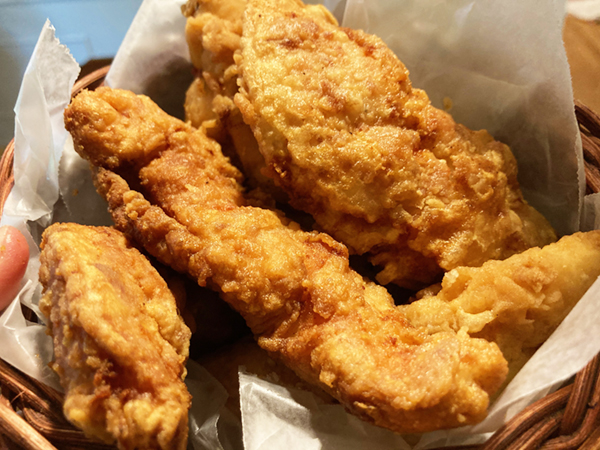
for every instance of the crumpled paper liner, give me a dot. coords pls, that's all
(501, 66)
(584, 9)
(39, 139)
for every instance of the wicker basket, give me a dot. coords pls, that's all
(565, 419)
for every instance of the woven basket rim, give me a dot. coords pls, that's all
(565, 419)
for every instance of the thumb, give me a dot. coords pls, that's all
(14, 255)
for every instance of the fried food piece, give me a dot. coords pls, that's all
(516, 303)
(213, 33)
(352, 143)
(120, 346)
(295, 289)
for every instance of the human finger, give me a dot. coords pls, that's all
(14, 256)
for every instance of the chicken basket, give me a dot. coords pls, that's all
(31, 417)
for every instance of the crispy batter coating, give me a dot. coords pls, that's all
(213, 33)
(120, 346)
(516, 303)
(134, 142)
(352, 143)
(295, 289)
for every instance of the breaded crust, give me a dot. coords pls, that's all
(295, 289)
(351, 142)
(120, 345)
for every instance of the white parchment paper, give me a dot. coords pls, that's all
(39, 139)
(503, 67)
(584, 9)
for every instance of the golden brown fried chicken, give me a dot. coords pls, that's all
(295, 289)
(213, 33)
(516, 303)
(352, 143)
(120, 346)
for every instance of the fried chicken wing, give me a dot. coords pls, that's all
(295, 289)
(120, 346)
(351, 142)
(516, 303)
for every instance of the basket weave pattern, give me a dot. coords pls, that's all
(565, 419)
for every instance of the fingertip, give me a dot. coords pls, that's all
(14, 256)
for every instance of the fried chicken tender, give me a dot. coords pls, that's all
(516, 303)
(351, 142)
(213, 33)
(295, 289)
(120, 346)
